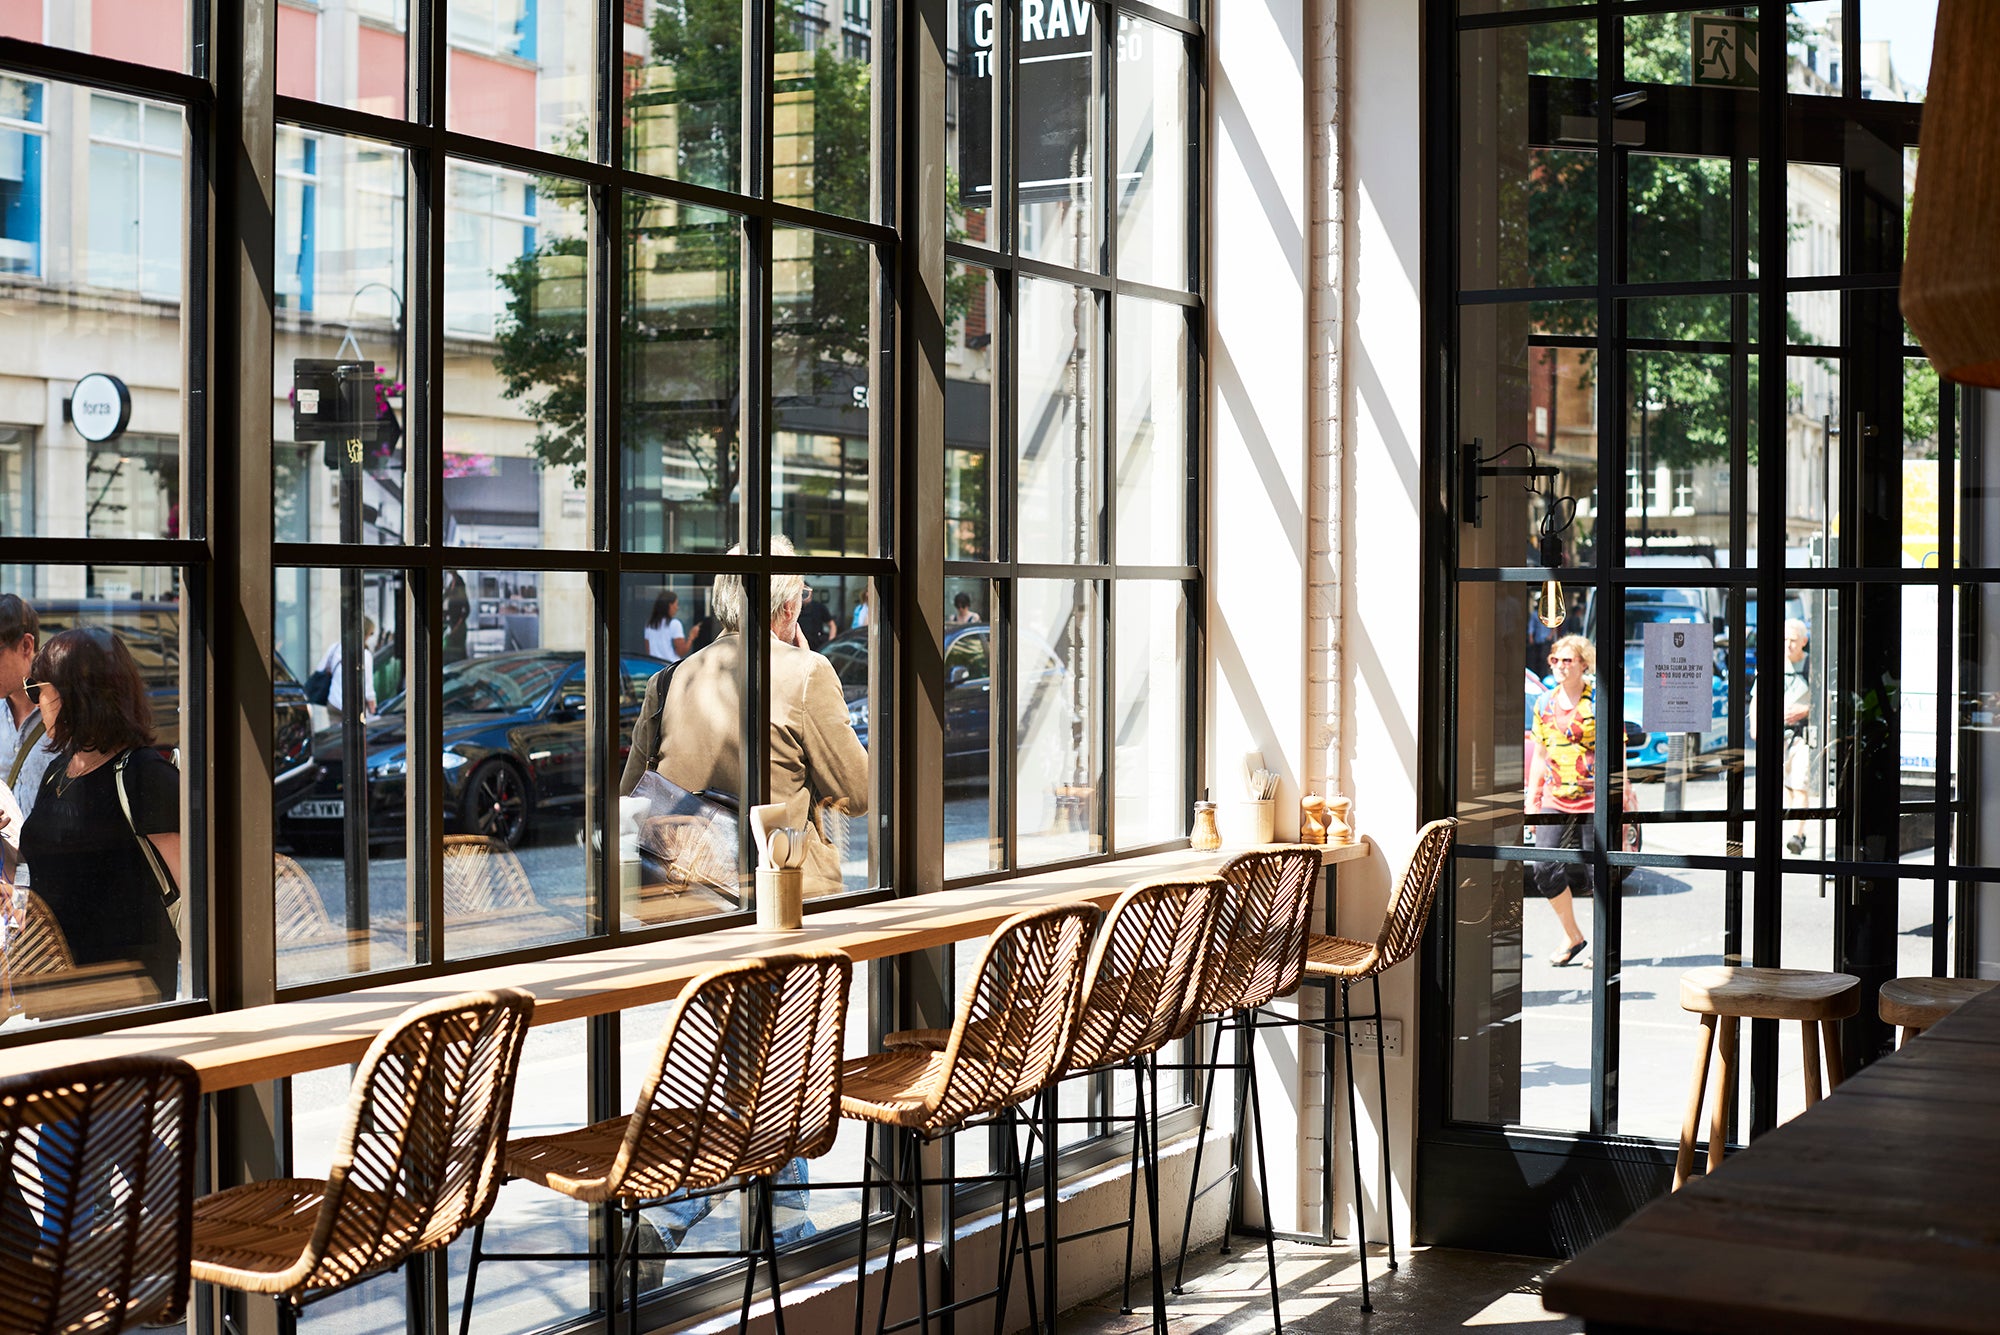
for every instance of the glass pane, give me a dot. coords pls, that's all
(823, 109)
(351, 55)
(516, 299)
(520, 1296)
(1501, 6)
(1679, 222)
(1683, 412)
(1919, 928)
(833, 749)
(681, 413)
(1812, 247)
(1515, 388)
(684, 101)
(520, 72)
(1154, 136)
(1672, 921)
(1659, 49)
(970, 149)
(338, 347)
(1056, 463)
(1501, 669)
(972, 833)
(518, 756)
(675, 861)
(113, 635)
(146, 32)
(1056, 723)
(1815, 747)
(1896, 48)
(1149, 743)
(973, 307)
(1814, 67)
(822, 472)
(1527, 160)
(1153, 447)
(1055, 161)
(346, 898)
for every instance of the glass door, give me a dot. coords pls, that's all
(1698, 545)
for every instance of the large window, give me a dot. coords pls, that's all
(514, 391)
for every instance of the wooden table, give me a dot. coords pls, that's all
(242, 1047)
(1878, 1211)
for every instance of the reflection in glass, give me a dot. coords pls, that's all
(352, 55)
(339, 339)
(823, 109)
(520, 72)
(1056, 463)
(1812, 247)
(1149, 707)
(1056, 720)
(970, 149)
(836, 620)
(1151, 464)
(346, 902)
(973, 308)
(153, 34)
(972, 833)
(684, 102)
(1896, 49)
(516, 403)
(821, 461)
(1055, 156)
(1152, 165)
(681, 408)
(518, 757)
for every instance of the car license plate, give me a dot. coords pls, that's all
(332, 810)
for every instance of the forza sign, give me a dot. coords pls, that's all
(100, 407)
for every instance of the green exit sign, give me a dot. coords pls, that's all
(1723, 51)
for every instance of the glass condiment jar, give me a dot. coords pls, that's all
(1204, 834)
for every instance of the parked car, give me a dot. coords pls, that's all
(513, 749)
(152, 631)
(968, 688)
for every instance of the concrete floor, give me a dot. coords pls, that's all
(1435, 1290)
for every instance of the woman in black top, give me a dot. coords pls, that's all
(87, 865)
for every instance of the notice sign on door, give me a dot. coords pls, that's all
(1679, 672)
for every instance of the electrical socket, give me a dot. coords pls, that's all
(1390, 1035)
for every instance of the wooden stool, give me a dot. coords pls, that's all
(1723, 994)
(1918, 1003)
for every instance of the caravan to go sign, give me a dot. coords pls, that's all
(100, 407)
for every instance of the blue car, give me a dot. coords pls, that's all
(514, 749)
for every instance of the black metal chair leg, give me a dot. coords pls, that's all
(1150, 1081)
(752, 1203)
(1194, 1177)
(1132, 1195)
(1051, 1196)
(1264, 1188)
(861, 1255)
(1246, 1062)
(471, 1278)
(916, 1180)
(1382, 1080)
(1354, 1146)
(770, 1195)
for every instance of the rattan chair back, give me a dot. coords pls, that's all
(1012, 1035)
(103, 1153)
(36, 944)
(482, 877)
(301, 913)
(1257, 934)
(1141, 970)
(419, 1157)
(747, 1077)
(1410, 907)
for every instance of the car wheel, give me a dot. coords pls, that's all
(495, 803)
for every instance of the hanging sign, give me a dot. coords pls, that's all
(100, 407)
(1679, 668)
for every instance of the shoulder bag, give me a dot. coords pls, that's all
(170, 891)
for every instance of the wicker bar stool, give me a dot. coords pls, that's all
(1256, 952)
(1722, 995)
(1340, 962)
(1009, 1041)
(1915, 1004)
(103, 1152)
(417, 1161)
(746, 1079)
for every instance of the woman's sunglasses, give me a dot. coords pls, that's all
(34, 690)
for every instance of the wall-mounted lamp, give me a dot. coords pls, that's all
(1558, 513)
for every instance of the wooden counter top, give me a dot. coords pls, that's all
(1878, 1211)
(265, 1042)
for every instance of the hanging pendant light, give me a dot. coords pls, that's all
(1951, 271)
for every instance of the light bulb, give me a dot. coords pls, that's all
(1549, 604)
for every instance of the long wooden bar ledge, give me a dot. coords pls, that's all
(1877, 1210)
(260, 1043)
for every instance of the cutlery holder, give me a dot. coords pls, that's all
(780, 899)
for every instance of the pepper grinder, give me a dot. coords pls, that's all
(1204, 835)
(1312, 819)
(1339, 811)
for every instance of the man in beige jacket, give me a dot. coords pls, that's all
(816, 759)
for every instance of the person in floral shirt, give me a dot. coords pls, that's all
(1562, 770)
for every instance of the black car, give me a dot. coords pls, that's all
(152, 631)
(514, 741)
